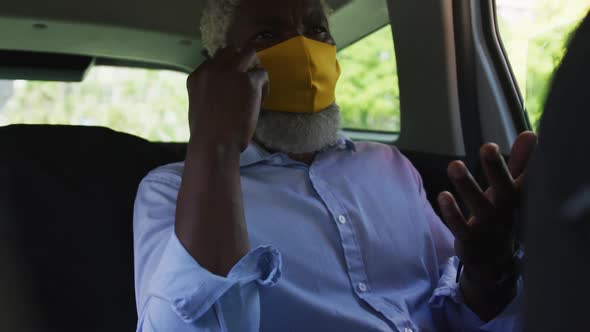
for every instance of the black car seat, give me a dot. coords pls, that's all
(66, 207)
(557, 241)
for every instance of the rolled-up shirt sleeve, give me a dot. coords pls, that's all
(447, 304)
(174, 292)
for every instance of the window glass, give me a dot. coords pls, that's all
(368, 91)
(535, 34)
(153, 103)
(148, 103)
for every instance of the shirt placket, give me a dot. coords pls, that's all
(350, 245)
(353, 254)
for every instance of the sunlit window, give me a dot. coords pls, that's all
(535, 34)
(368, 90)
(148, 103)
(153, 103)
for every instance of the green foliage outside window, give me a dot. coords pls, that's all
(536, 42)
(368, 91)
(148, 103)
(153, 104)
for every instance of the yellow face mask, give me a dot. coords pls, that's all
(303, 75)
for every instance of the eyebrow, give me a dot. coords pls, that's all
(315, 16)
(270, 21)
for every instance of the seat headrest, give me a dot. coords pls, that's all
(66, 198)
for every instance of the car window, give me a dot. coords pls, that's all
(368, 90)
(535, 34)
(153, 104)
(148, 103)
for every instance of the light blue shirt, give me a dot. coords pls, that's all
(349, 243)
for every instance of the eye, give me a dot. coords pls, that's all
(262, 35)
(318, 30)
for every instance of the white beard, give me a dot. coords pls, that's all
(298, 133)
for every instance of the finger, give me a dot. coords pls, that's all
(469, 190)
(452, 215)
(246, 60)
(498, 175)
(265, 89)
(521, 153)
(519, 183)
(259, 76)
(260, 81)
(195, 73)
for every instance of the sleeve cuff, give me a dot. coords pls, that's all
(447, 298)
(192, 290)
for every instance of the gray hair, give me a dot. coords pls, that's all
(217, 18)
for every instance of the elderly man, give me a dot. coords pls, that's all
(274, 222)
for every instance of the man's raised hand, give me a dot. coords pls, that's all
(225, 97)
(485, 241)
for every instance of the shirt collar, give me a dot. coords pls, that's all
(345, 143)
(256, 153)
(253, 154)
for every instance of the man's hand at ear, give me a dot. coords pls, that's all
(225, 96)
(485, 242)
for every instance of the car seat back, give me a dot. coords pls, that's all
(66, 205)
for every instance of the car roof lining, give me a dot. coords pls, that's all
(143, 34)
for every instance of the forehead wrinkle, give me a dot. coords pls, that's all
(298, 12)
(315, 16)
(294, 14)
(281, 16)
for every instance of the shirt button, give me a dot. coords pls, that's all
(342, 219)
(362, 287)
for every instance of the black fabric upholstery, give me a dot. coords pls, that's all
(433, 170)
(558, 205)
(66, 202)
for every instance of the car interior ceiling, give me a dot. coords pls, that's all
(163, 36)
